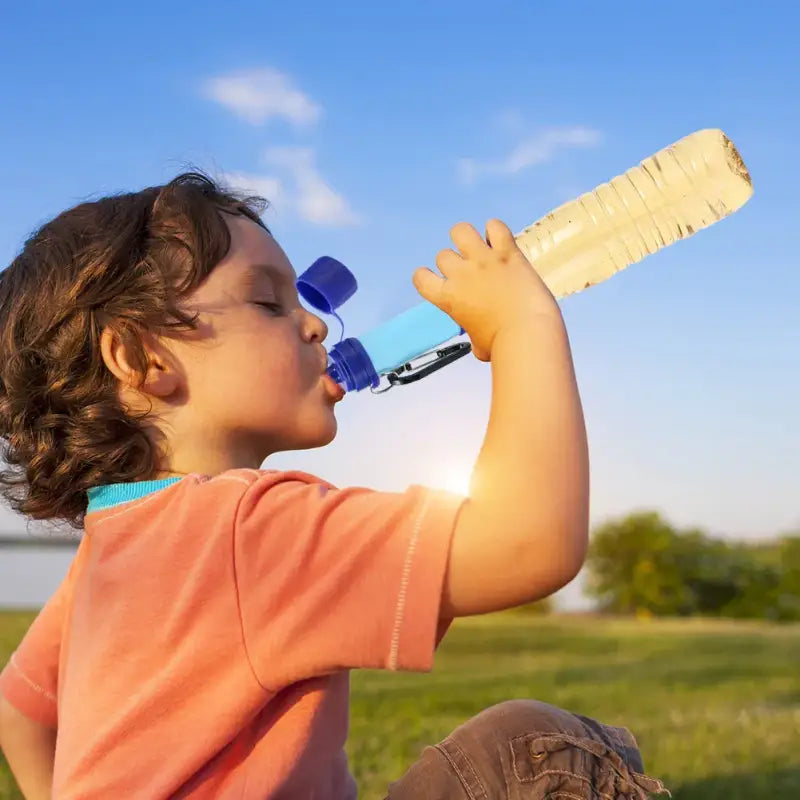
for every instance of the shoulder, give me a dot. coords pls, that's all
(200, 494)
(240, 480)
(247, 489)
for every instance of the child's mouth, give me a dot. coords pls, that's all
(334, 390)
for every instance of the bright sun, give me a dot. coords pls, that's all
(455, 478)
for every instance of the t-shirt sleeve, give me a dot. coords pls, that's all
(29, 680)
(331, 579)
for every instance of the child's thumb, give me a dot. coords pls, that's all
(429, 285)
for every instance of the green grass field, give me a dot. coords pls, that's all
(715, 705)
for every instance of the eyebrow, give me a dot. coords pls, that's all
(255, 271)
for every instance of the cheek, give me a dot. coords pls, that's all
(275, 357)
(278, 373)
(269, 368)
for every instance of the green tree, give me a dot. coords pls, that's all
(787, 605)
(640, 564)
(755, 576)
(717, 573)
(635, 565)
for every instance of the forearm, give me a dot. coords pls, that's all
(29, 747)
(532, 474)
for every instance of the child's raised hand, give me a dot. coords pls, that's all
(487, 285)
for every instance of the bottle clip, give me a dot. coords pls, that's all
(411, 372)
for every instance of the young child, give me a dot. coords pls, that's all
(153, 352)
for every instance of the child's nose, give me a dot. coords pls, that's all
(314, 328)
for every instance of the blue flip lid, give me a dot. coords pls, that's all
(327, 284)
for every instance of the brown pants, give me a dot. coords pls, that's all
(527, 750)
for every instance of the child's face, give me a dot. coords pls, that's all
(254, 369)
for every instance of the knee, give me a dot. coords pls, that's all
(516, 717)
(529, 741)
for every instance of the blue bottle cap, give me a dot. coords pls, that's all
(326, 284)
(351, 367)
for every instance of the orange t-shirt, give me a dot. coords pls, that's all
(200, 643)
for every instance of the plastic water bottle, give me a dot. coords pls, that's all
(669, 196)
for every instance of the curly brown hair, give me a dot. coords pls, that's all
(124, 262)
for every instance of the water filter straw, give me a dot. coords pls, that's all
(356, 363)
(669, 196)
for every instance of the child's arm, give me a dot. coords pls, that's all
(29, 748)
(28, 697)
(523, 532)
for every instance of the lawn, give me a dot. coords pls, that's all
(715, 705)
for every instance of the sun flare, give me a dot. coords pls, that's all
(455, 478)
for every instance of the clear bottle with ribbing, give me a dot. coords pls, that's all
(670, 196)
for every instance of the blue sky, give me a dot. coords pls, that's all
(356, 119)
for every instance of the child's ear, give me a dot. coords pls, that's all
(161, 378)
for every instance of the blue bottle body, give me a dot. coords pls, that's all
(359, 363)
(407, 335)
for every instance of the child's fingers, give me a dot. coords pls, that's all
(467, 239)
(448, 262)
(499, 236)
(429, 285)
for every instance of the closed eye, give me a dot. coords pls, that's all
(274, 307)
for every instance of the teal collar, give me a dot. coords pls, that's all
(114, 494)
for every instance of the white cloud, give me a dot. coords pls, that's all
(314, 199)
(531, 151)
(264, 186)
(262, 94)
(301, 190)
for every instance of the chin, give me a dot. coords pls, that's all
(323, 434)
(327, 437)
